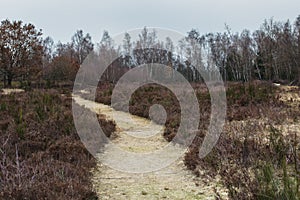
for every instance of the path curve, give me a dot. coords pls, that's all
(173, 182)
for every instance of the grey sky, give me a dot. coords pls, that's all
(61, 18)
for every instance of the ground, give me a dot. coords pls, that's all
(173, 182)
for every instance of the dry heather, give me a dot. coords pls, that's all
(41, 155)
(255, 134)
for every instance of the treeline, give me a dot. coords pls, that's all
(270, 53)
(26, 57)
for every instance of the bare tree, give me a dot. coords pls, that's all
(82, 45)
(108, 53)
(48, 47)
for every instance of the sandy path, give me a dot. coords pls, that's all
(10, 91)
(173, 182)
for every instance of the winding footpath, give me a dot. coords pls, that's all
(172, 182)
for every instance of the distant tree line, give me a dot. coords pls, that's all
(62, 61)
(269, 53)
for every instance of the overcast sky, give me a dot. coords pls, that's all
(61, 18)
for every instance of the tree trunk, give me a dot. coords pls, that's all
(9, 83)
(4, 80)
(9, 78)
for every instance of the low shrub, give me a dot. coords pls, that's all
(41, 155)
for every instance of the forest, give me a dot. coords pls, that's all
(270, 53)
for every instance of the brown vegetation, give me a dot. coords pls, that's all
(252, 138)
(41, 155)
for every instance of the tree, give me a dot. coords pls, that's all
(48, 45)
(108, 54)
(21, 51)
(127, 45)
(82, 45)
(63, 65)
(127, 51)
(62, 68)
(145, 50)
(247, 55)
(297, 33)
(169, 46)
